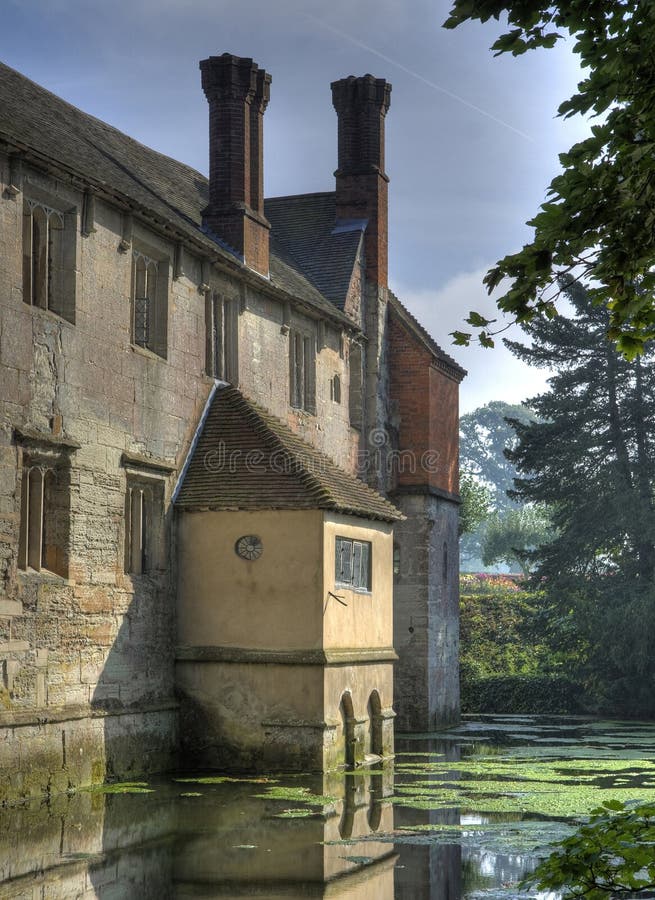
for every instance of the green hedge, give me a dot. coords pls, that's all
(527, 694)
(506, 666)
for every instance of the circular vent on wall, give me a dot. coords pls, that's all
(249, 547)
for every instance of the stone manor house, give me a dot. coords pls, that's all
(228, 453)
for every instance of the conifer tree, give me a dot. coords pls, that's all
(591, 459)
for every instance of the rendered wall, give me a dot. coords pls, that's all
(227, 601)
(265, 655)
(366, 621)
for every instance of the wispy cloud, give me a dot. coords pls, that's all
(492, 374)
(417, 75)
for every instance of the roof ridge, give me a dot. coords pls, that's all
(297, 196)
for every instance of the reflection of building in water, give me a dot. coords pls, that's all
(220, 841)
(430, 871)
(246, 850)
(88, 845)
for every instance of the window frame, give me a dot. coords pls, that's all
(356, 385)
(144, 525)
(222, 337)
(44, 524)
(302, 370)
(49, 238)
(356, 548)
(149, 301)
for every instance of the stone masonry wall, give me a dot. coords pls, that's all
(426, 614)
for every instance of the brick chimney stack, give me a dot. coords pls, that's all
(238, 92)
(361, 105)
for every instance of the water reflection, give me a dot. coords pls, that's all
(249, 848)
(235, 839)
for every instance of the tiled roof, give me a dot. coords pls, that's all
(246, 458)
(305, 226)
(452, 367)
(54, 130)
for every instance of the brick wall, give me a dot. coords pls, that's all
(425, 414)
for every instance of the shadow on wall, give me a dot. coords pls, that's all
(135, 713)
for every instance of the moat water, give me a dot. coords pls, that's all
(463, 815)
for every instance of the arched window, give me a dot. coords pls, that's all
(44, 516)
(149, 303)
(48, 282)
(335, 389)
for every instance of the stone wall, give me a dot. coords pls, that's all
(426, 613)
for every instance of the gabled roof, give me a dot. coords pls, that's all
(52, 129)
(246, 458)
(326, 251)
(445, 362)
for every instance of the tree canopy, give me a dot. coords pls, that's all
(484, 436)
(514, 536)
(475, 504)
(611, 856)
(598, 222)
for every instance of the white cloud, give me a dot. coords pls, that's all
(492, 374)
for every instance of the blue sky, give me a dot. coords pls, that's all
(472, 140)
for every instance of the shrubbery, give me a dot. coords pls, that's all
(505, 666)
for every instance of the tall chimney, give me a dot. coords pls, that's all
(238, 92)
(361, 105)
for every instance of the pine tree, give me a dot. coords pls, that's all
(591, 459)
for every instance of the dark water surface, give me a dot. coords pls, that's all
(465, 814)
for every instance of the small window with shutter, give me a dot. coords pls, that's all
(353, 564)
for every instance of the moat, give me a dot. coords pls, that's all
(463, 815)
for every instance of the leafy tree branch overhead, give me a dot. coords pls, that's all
(598, 222)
